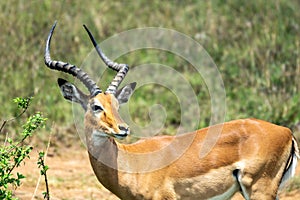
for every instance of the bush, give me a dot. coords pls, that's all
(14, 151)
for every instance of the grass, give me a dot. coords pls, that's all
(255, 46)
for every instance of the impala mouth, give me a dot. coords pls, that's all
(123, 133)
(120, 135)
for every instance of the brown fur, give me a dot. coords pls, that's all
(258, 148)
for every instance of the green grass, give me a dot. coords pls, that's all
(255, 45)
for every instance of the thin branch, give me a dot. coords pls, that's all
(46, 179)
(3, 124)
(14, 118)
(45, 175)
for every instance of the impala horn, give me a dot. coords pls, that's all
(122, 69)
(69, 68)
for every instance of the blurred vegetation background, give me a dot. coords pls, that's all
(256, 46)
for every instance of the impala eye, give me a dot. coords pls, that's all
(96, 108)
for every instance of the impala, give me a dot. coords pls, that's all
(251, 156)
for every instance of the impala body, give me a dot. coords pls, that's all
(251, 156)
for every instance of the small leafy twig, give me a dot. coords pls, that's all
(19, 155)
(44, 169)
(35, 121)
(22, 103)
(46, 180)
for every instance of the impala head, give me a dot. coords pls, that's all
(101, 107)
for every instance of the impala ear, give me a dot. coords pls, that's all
(124, 93)
(72, 93)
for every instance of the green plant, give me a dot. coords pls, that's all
(44, 169)
(14, 151)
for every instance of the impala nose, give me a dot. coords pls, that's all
(124, 130)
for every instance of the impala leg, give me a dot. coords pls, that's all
(264, 188)
(165, 193)
(252, 189)
(268, 185)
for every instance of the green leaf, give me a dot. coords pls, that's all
(23, 102)
(20, 176)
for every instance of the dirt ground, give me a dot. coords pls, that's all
(71, 177)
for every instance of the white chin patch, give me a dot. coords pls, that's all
(98, 136)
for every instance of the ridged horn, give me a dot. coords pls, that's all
(122, 69)
(69, 68)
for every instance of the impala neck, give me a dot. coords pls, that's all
(103, 154)
(103, 149)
